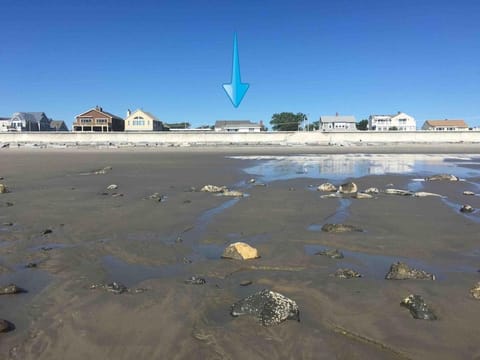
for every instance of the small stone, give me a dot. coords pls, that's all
(47, 231)
(467, 209)
(251, 181)
(117, 195)
(470, 193)
(291, 189)
(7, 224)
(398, 192)
(158, 197)
(340, 228)
(5, 326)
(268, 307)
(327, 187)
(193, 280)
(333, 195)
(425, 194)
(46, 248)
(102, 171)
(371, 190)
(346, 274)
(31, 265)
(112, 187)
(3, 189)
(240, 251)
(213, 189)
(187, 260)
(401, 271)
(418, 308)
(332, 254)
(246, 282)
(442, 177)
(475, 291)
(10, 289)
(116, 288)
(187, 201)
(348, 188)
(9, 204)
(232, 193)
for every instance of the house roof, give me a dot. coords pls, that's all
(57, 124)
(150, 115)
(238, 123)
(337, 118)
(446, 122)
(30, 116)
(100, 110)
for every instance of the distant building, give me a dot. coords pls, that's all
(58, 125)
(399, 121)
(98, 120)
(337, 123)
(29, 121)
(141, 120)
(5, 124)
(238, 126)
(445, 125)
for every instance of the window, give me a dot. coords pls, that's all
(85, 120)
(101, 121)
(138, 121)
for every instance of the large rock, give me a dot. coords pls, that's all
(348, 188)
(213, 189)
(398, 192)
(268, 307)
(346, 274)
(418, 308)
(442, 177)
(469, 193)
(360, 195)
(340, 228)
(240, 251)
(401, 271)
(10, 289)
(426, 194)
(327, 187)
(475, 291)
(3, 189)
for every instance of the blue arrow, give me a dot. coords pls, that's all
(236, 89)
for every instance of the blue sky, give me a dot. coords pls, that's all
(172, 57)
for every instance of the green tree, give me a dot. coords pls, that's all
(287, 121)
(313, 126)
(362, 125)
(181, 125)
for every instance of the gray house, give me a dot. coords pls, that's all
(337, 123)
(238, 126)
(30, 121)
(58, 125)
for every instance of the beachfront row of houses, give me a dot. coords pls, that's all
(99, 120)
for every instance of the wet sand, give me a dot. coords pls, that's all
(155, 246)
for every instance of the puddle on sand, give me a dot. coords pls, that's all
(132, 274)
(340, 216)
(377, 266)
(339, 167)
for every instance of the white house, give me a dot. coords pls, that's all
(5, 124)
(238, 126)
(141, 120)
(337, 123)
(445, 125)
(399, 121)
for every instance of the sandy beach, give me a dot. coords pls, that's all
(98, 236)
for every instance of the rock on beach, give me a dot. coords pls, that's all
(418, 308)
(442, 177)
(340, 228)
(268, 307)
(240, 251)
(401, 271)
(327, 187)
(348, 188)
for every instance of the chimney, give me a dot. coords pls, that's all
(129, 112)
(336, 114)
(97, 107)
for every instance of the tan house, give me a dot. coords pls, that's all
(445, 125)
(98, 120)
(141, 120)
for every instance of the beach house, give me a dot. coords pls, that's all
(445, 125)
(98, 120)
(337, 123)
(398, 122)
(141, 120)
(238, 126)
(29, 121)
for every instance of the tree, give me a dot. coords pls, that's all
(182, 125)
(287, 121)
(362, 125)
(313, 126)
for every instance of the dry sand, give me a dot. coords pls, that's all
(99, 238)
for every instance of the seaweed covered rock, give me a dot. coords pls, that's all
(469, 193)
(331, 253)
(348, 188)
(340, 228)
(213, 189)
(418, 308)
(346, 274)
(401, 271)
(361, 195)
(442, 177)
(240, 251)
(467, 209)
(398, 192)
(195, 280)
(371, 190)
(232, 193)
(5, 326)
(327, 187)
(10, 289)
(3, 189)
(268, 307)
